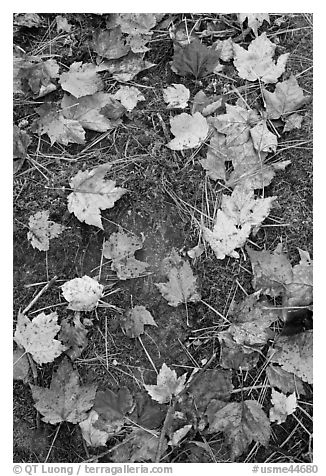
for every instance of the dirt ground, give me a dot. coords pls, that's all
(166, 191)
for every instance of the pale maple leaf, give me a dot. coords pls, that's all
(42, 230)
(127, 68)
(282, 406)
(29, 20)
(224, 49)
(138, 42)
(255, 20)
(92, 435)
(136, 23)
(179, 434)
(242, 423)
(235, 124)
(167, 386)
(294, 354)
(299, 292)
(65, 400)
(176, 96)
(53, 123)
(217, 155)
(134, 320)
(287, 98)
(140, 445)
(92, 193)
(37, 336)
(189, 131)
(110, 44)
(285, 381)
(257, 62)
(91, 112)
(181, 287)
(238, 214)
(293, 121)
(83, 293)
(120, 248)
(81, 79)
(129, 96)
(263, 139)
(62, 24)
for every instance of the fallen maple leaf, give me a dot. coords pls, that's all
(82, 294)
(214, 164)
(129, 96)
(81, 79)
(225, 49)
(127, 68)
(257, 62)
(195, 59)
(92, 193)
(293, 121)
(92, 435)
(37, 336)
(236, 356)
(134, 320)
(238, 214)
(38, 75)
(176, 96)
(136, 23)
(120, 248)
(168, 385)
(294, 354)
(110, 44)
(181, 287)
(138, 42)
(92, 112)
(287, 98)
(235, 124)
(242, 423)
(189, 131)
(62, 24)
(263, 139)
(299, 292)
(282, 406)
(42, 230)
(140, 445)
(255, 20)
(29, 20)
(65, 400)
(74, 337)
(112, 409)
(53, 123)
(285, 381)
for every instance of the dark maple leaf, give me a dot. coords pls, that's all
(194, 59)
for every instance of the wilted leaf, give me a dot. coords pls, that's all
(134, 320)
(65, 400)
(29, 20)
(189, 131)
(196, 251)
(293, 121)
(287, 98)
(20, 365)
(129, 96)
(37, 336)
(236, 356)
(235, 124)
(138, 43)
(120, 248)
(91, 194)
(225, 49)
(92, 435)
(282, 406)
(168, 385)
(81, 79)
(255, 20)
(53, 123)
(242, 423)
(294, 354)
(140, 446)
(181, 287)
(82, 294)
(42, 230)
(21, 141)
(179, 434)
(209, 385)
(38, 75)
(136, 23)
(300, 291)
(285, 381)
(263, 139)
(257, 62)
(62, 24)
(214, 164)
(176, 96)
(195, 59)
(92, 112)
(127, 68)
(110, 44)
(74, 337)
(238, 214)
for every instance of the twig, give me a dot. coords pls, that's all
(52, 444)
(39, 294)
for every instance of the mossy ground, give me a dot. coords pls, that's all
(167, 191)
